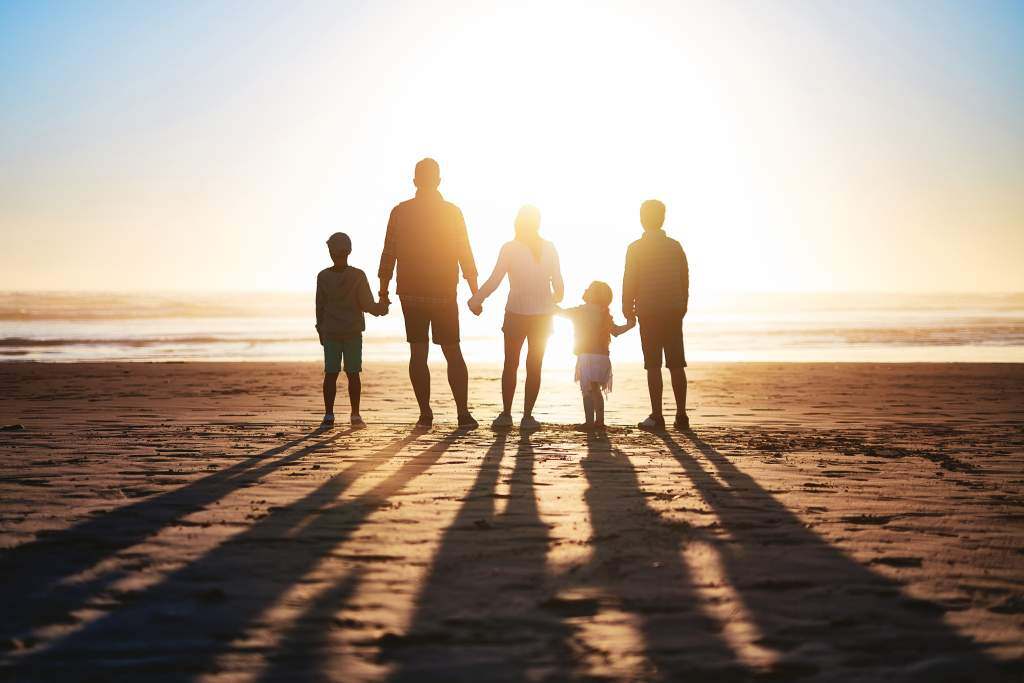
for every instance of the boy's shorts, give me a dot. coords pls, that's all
(351, 350)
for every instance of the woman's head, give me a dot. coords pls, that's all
(599, 294)
(528, 228)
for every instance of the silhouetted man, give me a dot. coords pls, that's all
(427, 239)
(656, 289)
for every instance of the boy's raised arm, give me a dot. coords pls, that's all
(622, 329)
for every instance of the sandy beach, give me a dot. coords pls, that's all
(822, 522)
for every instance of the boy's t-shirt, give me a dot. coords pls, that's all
(341, 298)
(593, 329)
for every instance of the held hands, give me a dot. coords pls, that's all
(475, 305)
(385, 301)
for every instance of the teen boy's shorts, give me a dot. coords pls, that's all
(349, 350)
(661, 333)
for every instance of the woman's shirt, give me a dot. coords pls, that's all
(531, 280)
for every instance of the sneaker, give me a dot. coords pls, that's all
(426, 420)
(529, 423)
(467, 421)
(328, 419)
(653, 422)
(357, 421)
(682, 423)
(503, 421)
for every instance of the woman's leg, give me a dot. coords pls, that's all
(588, 405)
(534, 364)
(513, 348)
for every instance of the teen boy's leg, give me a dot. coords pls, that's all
(353, 353)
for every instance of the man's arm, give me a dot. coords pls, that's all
(465, 252)
(686, 281)
(491, 284)
(389, 255)
(629, 286)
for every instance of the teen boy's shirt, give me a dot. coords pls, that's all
(427, 239)
(657, 276)
(341, 298)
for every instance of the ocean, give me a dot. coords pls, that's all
(67, 327)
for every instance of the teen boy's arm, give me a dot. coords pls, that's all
(365, 299)
(629, 286)
(319, 309)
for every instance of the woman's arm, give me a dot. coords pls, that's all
(497, 275)
(557, 286)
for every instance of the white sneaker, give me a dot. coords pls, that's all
(503, 421)
(529, 423)
(358, 421)
(328, 419)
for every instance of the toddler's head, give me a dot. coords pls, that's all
(599, 294)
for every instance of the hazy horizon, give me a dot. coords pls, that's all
(799, 147)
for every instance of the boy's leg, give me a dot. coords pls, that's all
(330, 391)
(353, 350)
(598, 399)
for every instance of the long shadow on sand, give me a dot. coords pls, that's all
(34, 590)
(482, 613)
(177, 628)
(812, 603)
(637, 570)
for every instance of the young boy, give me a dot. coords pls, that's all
(342, 296)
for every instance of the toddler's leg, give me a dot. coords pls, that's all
(598, 399)
(355, 387)
(588, 406)
(330, 390)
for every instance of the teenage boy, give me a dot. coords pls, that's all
(342, 296)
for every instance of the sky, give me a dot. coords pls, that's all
(799, 146)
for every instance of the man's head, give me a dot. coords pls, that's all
(340, 247)
(652, 215)
(428, 174)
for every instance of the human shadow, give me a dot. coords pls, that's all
(637, 569)
(177, 628)
(482, 612)
(812, 602)
(37, 591)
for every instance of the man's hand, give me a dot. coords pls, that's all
(476, 307)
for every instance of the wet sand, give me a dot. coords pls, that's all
(822, 522)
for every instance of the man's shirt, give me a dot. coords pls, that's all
(427, 239)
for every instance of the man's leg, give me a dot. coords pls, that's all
(679, 389)
(534, 366)
(458, 376)
(655, 388)
(354, 390)
(419, 375)
(513, 349)
(330, 391)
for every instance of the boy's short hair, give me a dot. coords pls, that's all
(652, 214)
(598, 293)
(340, 242)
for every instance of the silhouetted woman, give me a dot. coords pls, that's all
(535, 286)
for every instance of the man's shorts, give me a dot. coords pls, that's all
(662, 334)
(349, 350)
(532, 327)
(423, 318)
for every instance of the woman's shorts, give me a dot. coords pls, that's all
(527, 326)
(348, 350)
